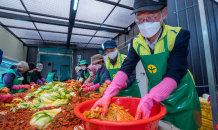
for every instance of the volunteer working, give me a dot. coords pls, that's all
(78, 71)
(92, 69)
(113, 64)
(85, 73)
(13, 78)
(52, 76)
(163, 51)
(35, 75)
(4, 98)
(98, 61)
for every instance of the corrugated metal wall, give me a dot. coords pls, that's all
(211, 8)
(185, 14)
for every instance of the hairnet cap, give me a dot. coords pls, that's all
(83, 62)
(148, 5)
(23, 65)
(31, 66)
(13, 66)
(93, 68)
(109, 44)
(97, 58)
(39, 66)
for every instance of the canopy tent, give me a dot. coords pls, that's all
(68, 23)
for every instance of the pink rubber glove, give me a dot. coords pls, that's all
(156, 95)
(108, 81)
(113, 89)
(210, 101)
(6, 98)
(39, 82)
(18, 87)
(26, 86)
(79, 81)
(92, 88)
(125, 85)
(87, 81)
(89, 84)
(32, 83)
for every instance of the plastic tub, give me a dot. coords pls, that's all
(157, 113)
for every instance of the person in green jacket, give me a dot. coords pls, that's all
(78, 71)
(98, 61)
(13, 78)
(85, 74)
(163, 51)
(5, 98)
(52, 76)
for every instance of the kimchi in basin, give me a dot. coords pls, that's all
(157, 113)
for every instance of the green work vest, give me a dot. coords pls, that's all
(86, 76)
(50, 76)
(99, 80)
(28, 77)
(183, 106)
(28, 80)
(132, 91)
(16, 81)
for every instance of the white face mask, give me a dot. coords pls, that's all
(149, 29)
(83, 68)
(98, 66)
(91, 74)
(112, 55)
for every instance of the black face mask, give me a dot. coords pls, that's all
(18, 71)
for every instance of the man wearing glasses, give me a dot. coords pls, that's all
(163, 50)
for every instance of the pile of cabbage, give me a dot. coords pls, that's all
(204, 98)
(42, 119)
(47, 95)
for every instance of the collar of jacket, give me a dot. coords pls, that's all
(113, 62)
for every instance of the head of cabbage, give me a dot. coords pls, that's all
(60, 102)
(42, 119)
(48, 98)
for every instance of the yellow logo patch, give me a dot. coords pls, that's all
(152, 69)
(86, 77)
(114, 75)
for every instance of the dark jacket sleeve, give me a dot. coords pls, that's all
(39, 75)
(55, 77)
(8, 80)
(177, 62)
(97, 78)
(131, 61)
(34, 76)
(107, 75)
(25, 78)
(131, 79)
(82, 74)
(103, 79)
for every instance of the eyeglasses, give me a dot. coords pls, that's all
(148, 19)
